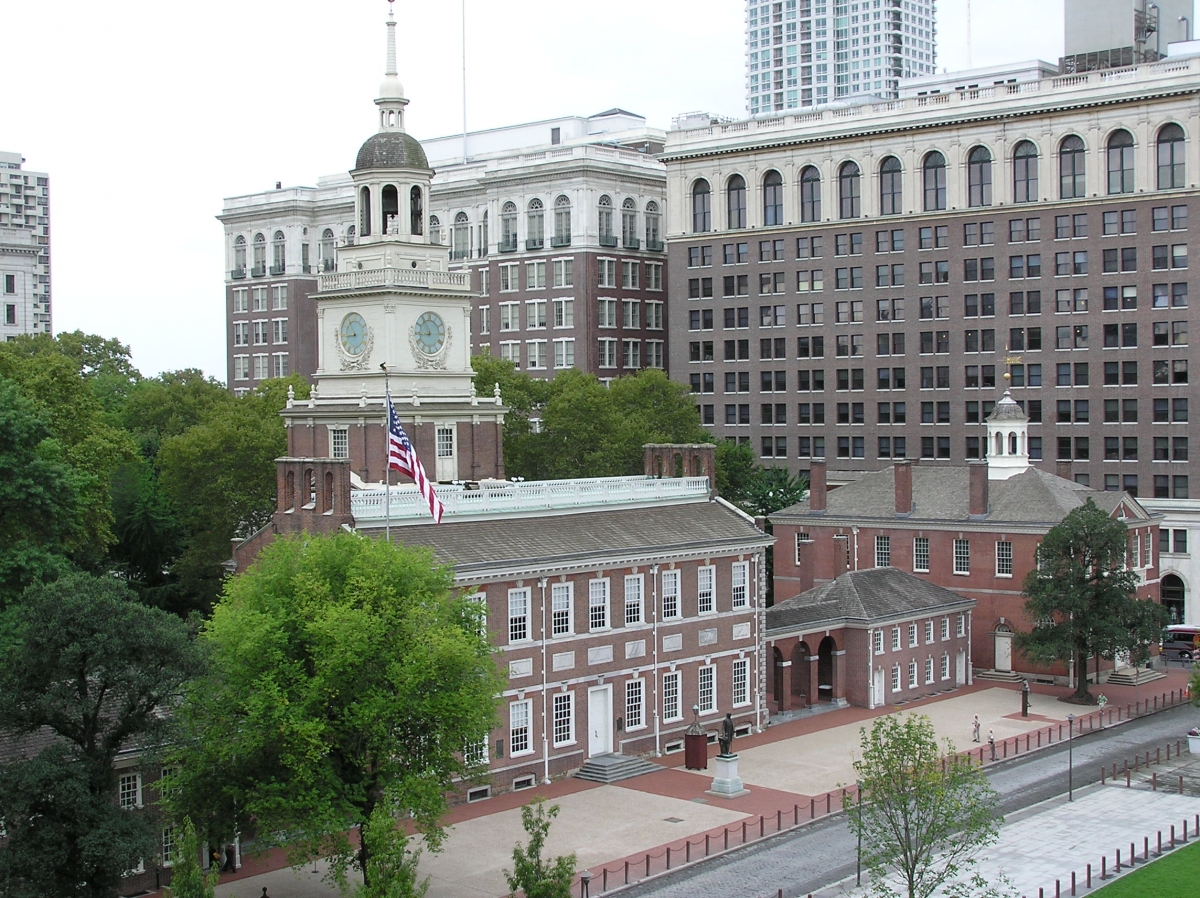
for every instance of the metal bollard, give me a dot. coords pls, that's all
(1103, 868)
(779, 820)
(1145, 848)
(1154, 782)
(796, 811)
(1172, 835)
(1159, 852)
(1089, 876)
(687, 852)
(604, 880)
(743, 832)
(647, 863)
(706, 845)
(827, 798)
(812, 808)
(726, 838)
(668, 857)
(1181, 784)
(762, 826)
(627, 873)
(1132, 854)
(1118, 868)
(1126, 777)
(1185, 830)
(1057, 889)
(1072, 882)
(1102, 772)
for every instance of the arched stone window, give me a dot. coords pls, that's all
(364, 211)
(891, 185)
(435, 230)
(1072, 168)
(735, 202)
(416, 212)
(390, 203)
(772, 199)
(508, 227)
(849, 190)
(562, 222)
(535, 225)
(260, 256)
(810, 194)
(328, 258)
(351, 235)
(278, 253)
(629, 228)
(1025, 173)
(460, 242)
(1171, 168)
(605, 219)
(653, 227)
(1120, 162)
(701, 207)
(933, 175)
(239, 256)
(979, 177)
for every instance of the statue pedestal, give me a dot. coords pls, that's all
(727, 783)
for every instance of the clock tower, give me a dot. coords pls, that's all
(392, 316)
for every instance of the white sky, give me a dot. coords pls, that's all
(147, 113)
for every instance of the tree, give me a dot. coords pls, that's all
(923, 812)
(532, 874)
(524, 397)
(345, 677)
(105, 363)
(1082, 597)
(89, 667)
(394, 865)
(188, 879)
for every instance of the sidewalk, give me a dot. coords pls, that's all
(790, 769)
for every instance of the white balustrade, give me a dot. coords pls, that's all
(394, 277)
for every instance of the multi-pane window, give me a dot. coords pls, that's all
(928, 671)
(741, 682)
(912, 674)
(129, 791)
(672, 706)
(877, 642)
(708, 690)
(518, 614)
(896, 678)
(564, 313)
(510, 278)
(629, 275)
(170, 847)
(921, 554)
(606, 273)
(945, 666)
(896, 639)
(1004, 558)
(705, 577)
(519, 714)
(945, 628)
(564, 275)
(562, 600)
(279, 364)
(961, 628)
(670, 595)
(564, 718)
(635, 706)
(741, 585)
(928, 632)
(912, 635)
(598, 604)
(962, 556)
(564, 353)
(339, 443)
(633, 599)
(883, 551)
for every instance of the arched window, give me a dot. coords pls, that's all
(1071, 169)
(629, 229)
(701, 207)
(1170, 157)
(653, 227)
(239, 256)
(933, 175)
(535, 225)
(979, 177)
(460, 241)
(849, 190)
(327, 254)
(772, 199)
(364, 212)
(508, 227)
(435, 230)
(607, 238)
(562, 222)
(1025, 173)
(810, 194)
(416, 212)
(484, 235)
(390, 209)
(890, 187)
(260, 256)
(1120, 162)
(351, 234)
(735, 201)
(278, 253)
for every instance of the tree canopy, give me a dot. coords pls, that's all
(1081, 597)
(345, 677)
(532, 874)
(923, 814)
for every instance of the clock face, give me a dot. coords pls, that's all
(353, 334)
(430, 332)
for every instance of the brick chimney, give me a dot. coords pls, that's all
(816, 486)
(978, 501)
(902, 472)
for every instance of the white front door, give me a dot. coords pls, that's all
(960, 669)
(1004, 640)
(600, 721)
(447, 454)
(877, 691)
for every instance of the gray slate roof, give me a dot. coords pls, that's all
(543, 541)
(864, 598)
(391, 149)
(941, 493)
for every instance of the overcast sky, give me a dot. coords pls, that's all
(147, 113)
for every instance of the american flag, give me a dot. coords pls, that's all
(402, 457)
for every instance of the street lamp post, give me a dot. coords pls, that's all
(858, 808)
(1070, 757)
(584, 879)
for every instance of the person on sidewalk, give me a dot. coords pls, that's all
(975, 729)
(264, 894)
(992, 743)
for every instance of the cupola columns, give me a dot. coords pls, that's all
(1007, 440)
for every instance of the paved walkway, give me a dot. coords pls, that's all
(788, 769)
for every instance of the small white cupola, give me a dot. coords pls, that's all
(1007, 439)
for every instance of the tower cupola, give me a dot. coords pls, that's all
(1007, 439)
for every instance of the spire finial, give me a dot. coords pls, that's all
(391, 40)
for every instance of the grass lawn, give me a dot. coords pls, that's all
(1174, 875)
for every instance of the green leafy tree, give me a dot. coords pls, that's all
(579, 430)
(651, 408)
(534, 875)
(394, 872)
(188, 879)
(524, 397)
(88, 665)
(736, 468)
(924, 813)
(105, 363)
(165, 406)
(1083, 597)
(149, 536)
(345, 677)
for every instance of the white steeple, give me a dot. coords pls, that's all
(1007, 439)
(391, 100)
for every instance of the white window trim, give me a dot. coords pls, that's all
(569, 589)
(638, 581)
(521, 594)
(713, 709)
(711, 571)
(628, 684)
(744, 664)
(678, 678)
(675, 578)
(740, 569)
(570, 740)
(528, 705)
(600, 582)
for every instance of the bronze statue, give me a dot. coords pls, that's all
(725, 739)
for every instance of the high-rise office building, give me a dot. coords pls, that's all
(805, 53)
(24, 249)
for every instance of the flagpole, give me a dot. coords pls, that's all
(387, 467)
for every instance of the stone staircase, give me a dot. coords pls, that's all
(613, 768)
(998, 676)
(1130, 676)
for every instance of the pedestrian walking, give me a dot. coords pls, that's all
(975, 729)
(264, 894)
(992, 743)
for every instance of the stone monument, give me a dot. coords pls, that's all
(727, 783)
